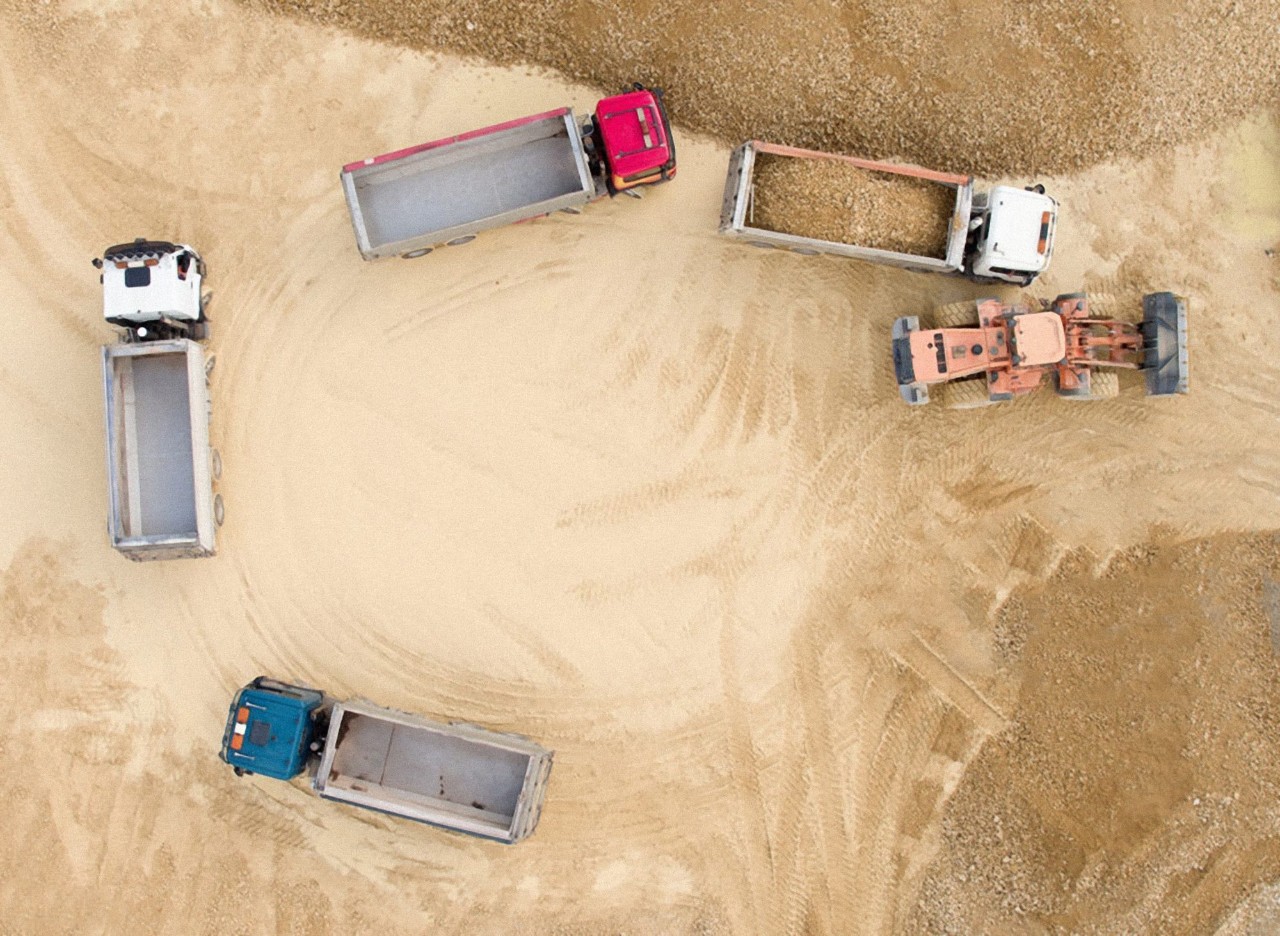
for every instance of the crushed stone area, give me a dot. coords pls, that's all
(994, 87)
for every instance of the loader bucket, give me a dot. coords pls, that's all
(904, 370)
(1164, 332)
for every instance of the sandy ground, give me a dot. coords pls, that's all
(811, 661)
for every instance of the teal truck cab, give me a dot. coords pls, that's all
(272, 729)
(456, 776)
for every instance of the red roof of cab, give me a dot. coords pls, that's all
(633, 133)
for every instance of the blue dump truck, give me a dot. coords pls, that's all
(459, 777)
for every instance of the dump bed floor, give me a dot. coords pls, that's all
(161, 425)
(427, 763)
(441, 189)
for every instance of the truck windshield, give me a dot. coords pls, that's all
(137, 276)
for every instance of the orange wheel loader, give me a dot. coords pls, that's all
(988, 351)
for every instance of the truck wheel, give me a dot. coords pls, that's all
(215, 464)
(761, 244)
(208, 365)
(459, 241)
(219, 510)
(415, 254)
(962, 394)
(955, 315)
(572, 211)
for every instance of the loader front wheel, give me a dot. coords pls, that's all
(962, 394)
(1104, 384)
(955, 315)
(1117, 308)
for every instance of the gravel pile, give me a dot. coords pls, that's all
(990, 87)
(837, 201)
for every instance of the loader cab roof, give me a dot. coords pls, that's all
(1039, 339)
(1021, 229)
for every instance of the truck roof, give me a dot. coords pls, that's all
(268, 733)
(1022, 227)
(145, 282)
(633, 132)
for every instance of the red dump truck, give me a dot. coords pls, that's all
(443, 193)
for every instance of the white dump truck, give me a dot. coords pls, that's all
(811, 203)
(443, 193)
(456, 776)
(161, 468)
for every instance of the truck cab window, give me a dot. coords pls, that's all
(137, 276)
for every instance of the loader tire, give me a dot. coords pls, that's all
(962, 394)
(1104, 384)
(1116, 307)
(954, 315)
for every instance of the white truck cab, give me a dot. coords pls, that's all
(1011, 234)
(153, 289)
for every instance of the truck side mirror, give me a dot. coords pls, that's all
(97, 262)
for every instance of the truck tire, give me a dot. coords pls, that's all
(415, 254)
(970, 393)
(219, 510)
(459, 241)
(215, 464)
(209, 362)
(955, 315)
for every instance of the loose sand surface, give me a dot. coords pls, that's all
(812, 662)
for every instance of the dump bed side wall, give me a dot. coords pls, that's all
(735, 213)
(512, 824)
(126, 478)
(548, 146)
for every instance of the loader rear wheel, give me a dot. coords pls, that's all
(955, 315)
(962, 394)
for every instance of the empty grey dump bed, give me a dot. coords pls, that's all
(453, 188)
(457, 776)
(157, 420)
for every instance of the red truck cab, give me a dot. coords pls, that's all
(634, 138)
